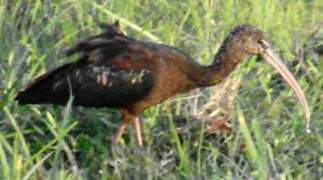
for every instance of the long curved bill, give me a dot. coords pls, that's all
(270, 58)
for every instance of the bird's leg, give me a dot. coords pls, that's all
(136, 124)
(119, 133)
(127, 118)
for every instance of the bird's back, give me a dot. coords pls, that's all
(114, 70)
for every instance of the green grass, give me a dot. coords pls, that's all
(50, 142)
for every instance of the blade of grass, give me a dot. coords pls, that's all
(184, 160)
(36, 166)
(51, 143)
(22, 140)
(5, 167)
(250, 146)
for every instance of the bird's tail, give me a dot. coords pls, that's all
(40, 91)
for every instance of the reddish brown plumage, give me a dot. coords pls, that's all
(117, 71)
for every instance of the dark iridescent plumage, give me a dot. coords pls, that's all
(103, 77)
(117, 71)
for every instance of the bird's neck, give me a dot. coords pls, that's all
(223, 64)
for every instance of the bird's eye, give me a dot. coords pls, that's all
(263, 44)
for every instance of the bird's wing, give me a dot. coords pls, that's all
(109, 74)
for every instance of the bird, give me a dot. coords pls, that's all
(131, 75)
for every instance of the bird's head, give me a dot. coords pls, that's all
(245, 39)
(249, 40)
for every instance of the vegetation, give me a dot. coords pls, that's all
(268, 138)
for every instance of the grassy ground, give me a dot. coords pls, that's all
(39, 142)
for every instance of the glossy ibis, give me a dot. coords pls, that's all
(117, 71)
